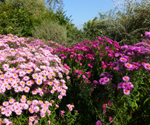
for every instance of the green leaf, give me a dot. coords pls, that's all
(146, 100)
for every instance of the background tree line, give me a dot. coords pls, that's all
(48, 20)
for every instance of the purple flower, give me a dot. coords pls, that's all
(98, 122)
(109, 103)
(104, 111)
(102, 81)
(126, 78)
(147, 34)
(116, 68)
(83, 76)
(120, 85)
(106, 79)
(122, 59)
(116, 54)
(110, 119)
(104, 106)
(95, 81)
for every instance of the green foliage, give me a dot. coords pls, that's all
(52, 4)
(19, 17)
(50, 31)
(128, 25)
(73, 34)
(124, 27)
(93, 28)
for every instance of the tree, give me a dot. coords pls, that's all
(126, 26)
(19, 16)
(52, 4)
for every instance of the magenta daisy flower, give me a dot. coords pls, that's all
(128, 65)
(130, 85)
(109, 103)
(106, 79)
(147, 66)
(126, 91)
(116, 54)
(122, 59)
(120, 85)
(116, 68)
(110, 119)
(124, 86)
(104, 111)
(98, 122)
(104, 106)
(141, 51)
(102, 81)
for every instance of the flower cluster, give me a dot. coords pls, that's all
(5, 121)
(62, 113)
(126, 85)
(70, 107)
(29, 68)
(106, 78)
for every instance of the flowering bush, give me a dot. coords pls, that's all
(32, 83)
(88, 60)
(106, 82)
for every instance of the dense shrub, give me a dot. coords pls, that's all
(50, 31)
(93, 28)
(130, 23)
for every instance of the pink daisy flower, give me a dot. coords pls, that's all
(39, 81)
(42, 115)
(126, 78)
(59, 96)
(31, 110)
(36, 109)
(5, 66)
(26, 89)
(25, 106)
(11, 101)
(31, 119)
(22, 83)
(52, 91)
(23, 100)
(18, 112)
(8, 113)
(3, 111)
(26, 78)
(5, 103)
(22, 73)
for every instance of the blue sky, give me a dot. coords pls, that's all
(84, 10)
